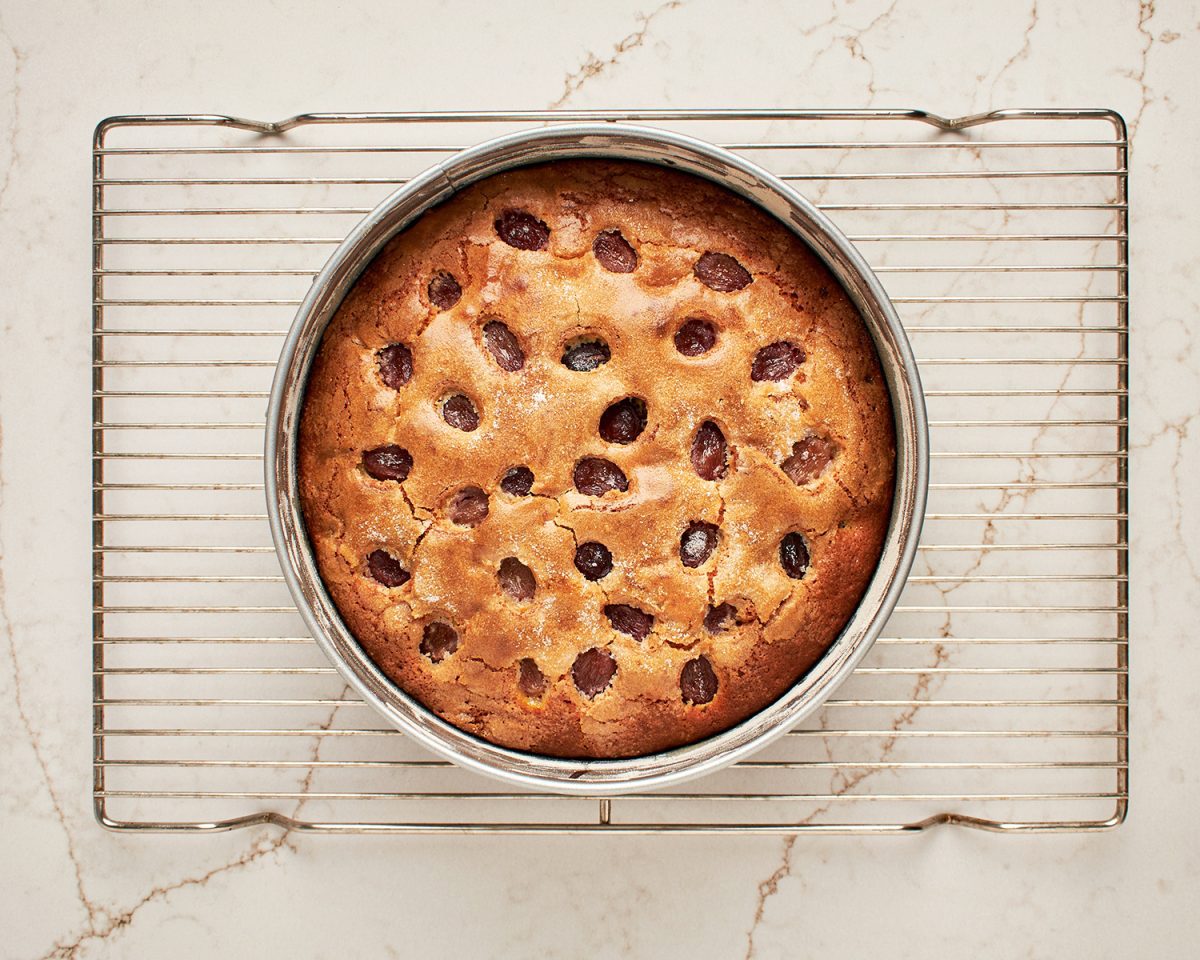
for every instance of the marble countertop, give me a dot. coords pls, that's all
(71, 889)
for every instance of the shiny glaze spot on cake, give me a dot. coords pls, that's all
(503, 345)
(516, 579)
(695, 337)
(438, 641)
(637, 623)
(395, 365)
(624, 421)
(614, 252)
(698, 681)
(776, 361)
(530, 679)
(460, 413)
(517, 481)
(710, 452)
(698, 542)
(586, 354)
(720, 617)
(593, 560)
(809, 459)
(593, 671)
(595, 476)
(390, 462)
(521, 229)
(386, 569)
(721, 272)
(793, 555)
(468, 507)
(443, 290)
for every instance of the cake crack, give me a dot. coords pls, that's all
(413, 508)
(765, 624)
(483, 663)
(563, 526)
(575, 542)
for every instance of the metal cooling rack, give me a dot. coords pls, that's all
(996, 698)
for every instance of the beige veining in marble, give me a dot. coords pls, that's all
(592, 66)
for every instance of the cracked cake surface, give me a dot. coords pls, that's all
(596, 459)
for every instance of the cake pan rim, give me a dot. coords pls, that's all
(595, 777)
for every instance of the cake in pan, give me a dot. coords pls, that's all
(596, 459)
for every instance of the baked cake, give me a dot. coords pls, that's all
(596, 459)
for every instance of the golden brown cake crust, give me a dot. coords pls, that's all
(545, 416)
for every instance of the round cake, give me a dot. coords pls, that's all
(596, 459)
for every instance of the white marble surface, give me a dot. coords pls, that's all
(71, 889)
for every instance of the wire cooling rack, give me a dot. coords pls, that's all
(997, 696)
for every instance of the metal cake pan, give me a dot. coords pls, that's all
(679, 152)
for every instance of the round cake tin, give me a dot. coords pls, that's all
(668, 149)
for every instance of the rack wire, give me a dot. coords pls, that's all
(997, 696)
